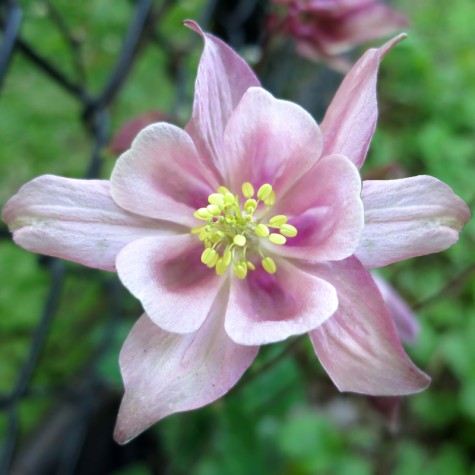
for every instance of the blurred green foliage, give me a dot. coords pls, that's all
(286, 420)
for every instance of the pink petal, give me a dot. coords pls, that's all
(167, 276)
(266, 308)
(269, 141)
(326, 208)
(350, 120)
(223, 78)
(358, 346)
(75, 220)
(406, 323)
(407, 218)
(165, 373)
(161, 176)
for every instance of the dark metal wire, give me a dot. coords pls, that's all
(10, 21)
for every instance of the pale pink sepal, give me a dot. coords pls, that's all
(268, 140)
(408, 217)
(326, 208)
(167, 276)
(358, 346)
(165, 373)
(75, 220)
(266, 308)
(406, 323)
(350, 120)
(161, 176)
(223, 77)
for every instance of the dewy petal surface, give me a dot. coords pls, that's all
(326, 208)
(266, 308)
(408, 217)
(268, 140)
(165, 373)
(358, 346)
(223, 77)
(167, 276)
(350, 120)
(161, 176)
(76, 220)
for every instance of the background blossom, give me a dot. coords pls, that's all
(325, 29)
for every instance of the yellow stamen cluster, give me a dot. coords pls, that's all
(231, 234)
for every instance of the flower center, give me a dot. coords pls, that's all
(231, 234)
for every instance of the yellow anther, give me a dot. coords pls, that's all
(214, 260)
(231, 232)
(269, 265)
(227, 257)
(202, 213)
(278, 220)
(239, 240)
(221, 266)
(216, 199)
(250, 205)
(247, 190)
(223, 190)
(214, 237)
(229, 199)
(275, 238)
(240, 270)
(214, 210)
(261, 230)
(288, 230)
(270, 200)
(264, 191)
(208, 255)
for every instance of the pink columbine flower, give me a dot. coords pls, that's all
(248, 227)
(324, 29)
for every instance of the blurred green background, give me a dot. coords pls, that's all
(285, 417)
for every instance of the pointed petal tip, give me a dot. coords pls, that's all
(120, 437)
(414, 382)
(125, 430)
(389, 45)
(192, 25)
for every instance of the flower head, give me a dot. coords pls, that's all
(248, 227)
(324, 29)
